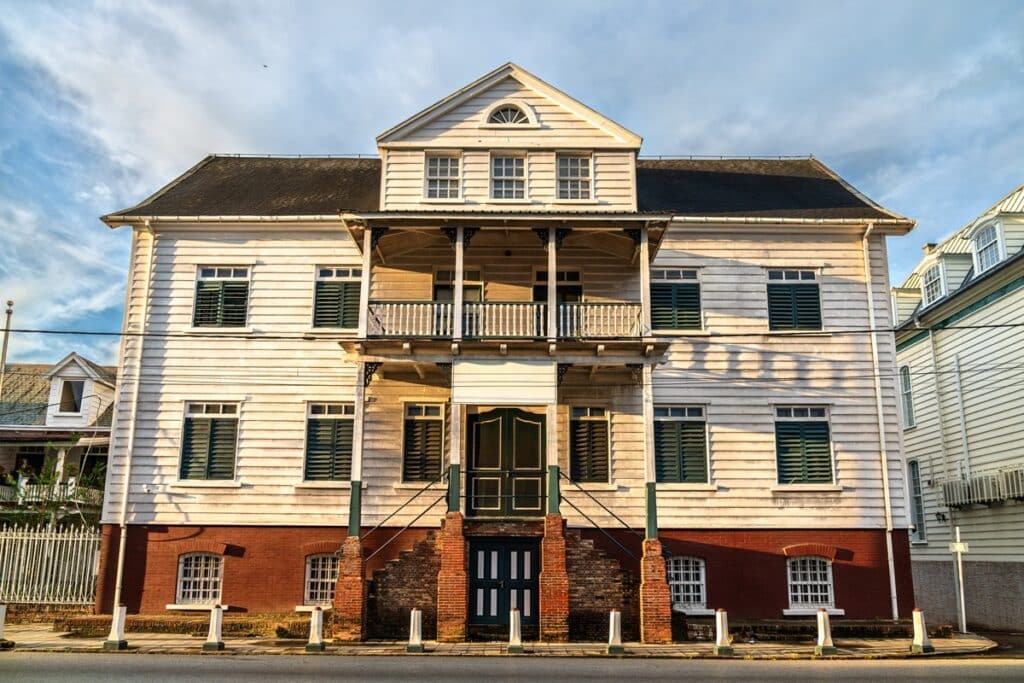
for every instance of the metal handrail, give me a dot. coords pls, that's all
(404, 528)
(599, 503)
(603, 531)
(403, 505)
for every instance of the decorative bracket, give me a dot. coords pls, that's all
(560, 235)
(453, 234)
(637, 370)
(633, 234)
(562, 369)
(542, 234)
(369, 368)
(375, 235)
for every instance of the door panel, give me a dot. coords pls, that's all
(505, 475)
(503, 576)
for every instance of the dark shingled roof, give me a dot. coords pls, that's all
(25, 395)
(307, 186)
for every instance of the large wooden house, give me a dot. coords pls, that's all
(508, 364)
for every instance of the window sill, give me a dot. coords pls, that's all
(218, 330)
(325, 485)
(195, 608)
(205, 484)
(908, 428)
(78, 414)
(919, 543)
(807, 488)
(798, 333)
(694, 611)
(310, 608)
(697, 488)
(442, 200)
(812, 611)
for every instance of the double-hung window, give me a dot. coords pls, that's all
(336, 299)
(803, 446)
(508, 177)
(423, 441)
(321, 577)
(199, 579)
(986, 247)
(442, 176)
(687, 584)
(794, 300)
(208, 441)
(329, 441)
(918, 535)
(588, 444)
(222, 296)
(907, 396)
(932, 285)
(810, 583)
(675, 299)
(574, 176)
(680, 445)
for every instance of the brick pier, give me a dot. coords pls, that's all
(655, 601)
(350, 593)
(554, 582)
(452, 581)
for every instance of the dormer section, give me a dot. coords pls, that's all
(508, 142)
(80, 392)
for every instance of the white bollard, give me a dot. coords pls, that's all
(615, 633)
(213, 640)
(515, 638)
(4, 643)
(316, 631)
(415, 631)
(824, 646)
(115, 640)
(922, 643)
(723, 644)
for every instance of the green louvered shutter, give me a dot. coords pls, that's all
(675, 306)
(794, 307)
(336, 305)
(680, 452)
(424, 442)
(220, 303)
(328, 450)
(803, 452)
(207, 306)
(208, 448)
(588, 450)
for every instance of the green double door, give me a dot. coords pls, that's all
(505, 469)
(502, 577)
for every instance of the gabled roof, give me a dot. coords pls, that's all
(489, 80)
(95, 372)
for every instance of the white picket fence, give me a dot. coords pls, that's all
(50, 566)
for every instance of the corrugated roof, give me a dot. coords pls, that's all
(315, 186)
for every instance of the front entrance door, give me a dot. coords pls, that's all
(502, 576)
(505, 473)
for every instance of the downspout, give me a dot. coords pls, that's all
(130, 442)
(883, 448)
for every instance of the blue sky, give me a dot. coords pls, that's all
(919, 104)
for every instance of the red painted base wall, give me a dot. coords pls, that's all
(264, 567)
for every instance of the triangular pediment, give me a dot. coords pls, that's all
(555, 118)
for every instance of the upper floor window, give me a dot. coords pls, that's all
(932, 285)
(329, 441)
(423, 441)
(917, 535)
(986, 247)
(222, 296)
(209, 440)
(588, 444)
(675, 299)
(680, 445)
(907, 396)
(508, 177)
(794, 301)
(71, 395)
(508, 114)
(199, 579)
(686, 582)
(803, 445)
(573, 176)
(442, 176)
(336, 299)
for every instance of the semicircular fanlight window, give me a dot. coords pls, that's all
(508, 114)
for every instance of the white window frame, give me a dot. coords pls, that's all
(793, 275)
(682, 577)
(686, 412)
(212, 409)
(577, 178)
(336, 274)
(457, 178)
(319, 590)
(907, 397)
(815, 412)
(407, 414)
(594, 413)
(919, 536)
(81, 400)
(798, 564)
(936, 267)
(526, 109)
(202, 594)
(514, 179)
(682, 274)
(977, 247)
(222, 272)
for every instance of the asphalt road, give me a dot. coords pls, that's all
(65, 668)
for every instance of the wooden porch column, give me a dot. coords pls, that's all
(554, 496)
(364, 288)
(552, 286)
(455, 457)
(645, 283)
(457, 304)
(655, 600)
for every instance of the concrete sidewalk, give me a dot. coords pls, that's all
(41, 638)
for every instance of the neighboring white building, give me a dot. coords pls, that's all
(960, 334)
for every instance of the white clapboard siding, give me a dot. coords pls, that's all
(993, 397)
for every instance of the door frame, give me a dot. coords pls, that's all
(506, 472)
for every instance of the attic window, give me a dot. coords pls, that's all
(933, 287)
(986, 247)
(508, 115)
(71, 396)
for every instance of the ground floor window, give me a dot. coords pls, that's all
(686, 581)
(321, 577)
(810, 583)
(199, 579)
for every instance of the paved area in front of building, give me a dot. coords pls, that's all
(41, 638)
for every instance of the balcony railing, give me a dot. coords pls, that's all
(503, 320)
(984, 489)
(65, 492)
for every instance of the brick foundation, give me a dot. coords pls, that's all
(655, 601)
(452, 581)
(554, 582)
(406, 582)
(350, 593)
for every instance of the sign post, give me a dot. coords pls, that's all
(959, 549)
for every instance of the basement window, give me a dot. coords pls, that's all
(686, 581)
(199, 579)
(810, 583)
(321, 577)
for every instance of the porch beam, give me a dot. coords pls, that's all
(355, 507)
(552, 285)
(460, 251)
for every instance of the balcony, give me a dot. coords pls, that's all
(984, 489)
(503, 320)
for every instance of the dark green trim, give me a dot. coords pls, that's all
(652, 511)
(453, 487)
(554, 495)
(355, 509)
(992, 297)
